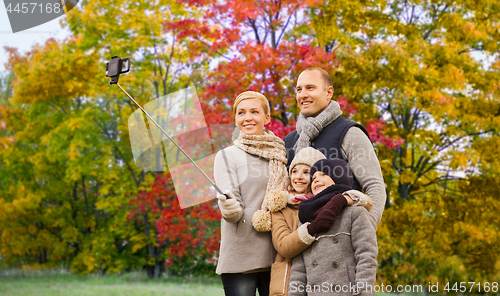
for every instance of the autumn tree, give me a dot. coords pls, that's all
(419, 66)
(73, 179)
(79, 198)
(411, 72)
(163, 62)
(430, 70)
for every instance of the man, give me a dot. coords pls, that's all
(321, 126)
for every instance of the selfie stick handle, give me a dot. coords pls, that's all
(175, 143)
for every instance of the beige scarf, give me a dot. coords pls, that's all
(269, 147)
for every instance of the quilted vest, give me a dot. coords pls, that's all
(329, 141)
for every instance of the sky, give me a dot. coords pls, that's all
(24, 40)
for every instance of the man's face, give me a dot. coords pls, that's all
(313, 95)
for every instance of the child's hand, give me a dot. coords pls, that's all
(325, 217)
(294, 199)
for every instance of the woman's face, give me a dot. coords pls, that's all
(320, 181)
(250, 117)
(300, 178)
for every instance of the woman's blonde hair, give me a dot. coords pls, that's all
(252, 95)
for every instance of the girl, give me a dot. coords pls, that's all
(289, 239)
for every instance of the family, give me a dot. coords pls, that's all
(299, 215)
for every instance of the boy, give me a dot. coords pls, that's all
(343, 260)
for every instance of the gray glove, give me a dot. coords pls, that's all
(360, 199)
(229, 207)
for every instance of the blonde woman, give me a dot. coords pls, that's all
(246, 172)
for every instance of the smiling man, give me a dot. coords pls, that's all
(321, 126)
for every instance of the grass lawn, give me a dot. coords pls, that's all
(57, 283)
(48, 283)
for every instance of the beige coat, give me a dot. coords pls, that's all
(289, 242)
(242, 248)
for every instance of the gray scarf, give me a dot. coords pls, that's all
(309, 128)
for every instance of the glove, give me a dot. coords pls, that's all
(360, 199)
(231, 207)
(326, 216)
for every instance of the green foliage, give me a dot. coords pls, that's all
(70, 184)
(422, 76)
(413, 63)
(430, 70)
(452, 235)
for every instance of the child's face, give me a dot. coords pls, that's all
(320, 181)
(300, 178)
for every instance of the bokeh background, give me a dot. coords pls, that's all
(423, 77)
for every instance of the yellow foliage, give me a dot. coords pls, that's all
(52, 72)
(407, 177)
(459, 160)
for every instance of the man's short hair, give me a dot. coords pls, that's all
(326, 77)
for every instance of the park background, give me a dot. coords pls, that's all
(423, 77)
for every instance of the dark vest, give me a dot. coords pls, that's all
(329, 141)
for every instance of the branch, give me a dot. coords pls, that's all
(413, 120)
(389, 109)
(423, 172)
(209, 46)
(255, 30)
(119, 152)
(460, 138)
(286, 25)
(480, 48)
(412, 13)
(168, 67)
(433, 27)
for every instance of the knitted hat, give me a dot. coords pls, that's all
(337, 169)
(307, 156)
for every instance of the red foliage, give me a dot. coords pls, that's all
(375, 129)
(248, 35)
(347, 107)
(279, 129)
(182, 231)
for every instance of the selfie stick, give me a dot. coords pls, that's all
(114, 80)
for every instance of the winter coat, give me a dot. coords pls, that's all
(343, 258)
(242, 248)
(288, 243)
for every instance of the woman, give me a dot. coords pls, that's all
(246, 172)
